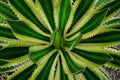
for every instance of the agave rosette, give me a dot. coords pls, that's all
(57, 39)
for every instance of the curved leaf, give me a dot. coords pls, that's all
(95, 57)
(6, 33)
(84, 18)
(7, 12)
(114, 20)
(71, 64)
(27, 33)
(23, 11)
(60, 74)
(3, 62)
(90, 25)
(115, 62)
(47, 7)
(13, 52)
(65, 9)
(80, 11)
(105, 36)
(10, 68)
(94, 74)
(113, 6)
(23, 72)
(97, 18)
(40, 53)
(43, 71)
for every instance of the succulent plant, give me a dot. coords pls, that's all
(59, 39)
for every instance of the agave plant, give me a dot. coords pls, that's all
(58, 39)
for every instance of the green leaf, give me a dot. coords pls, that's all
(60, 73)
(11, 68)
(24, 72)
(2, 19)
(104, 36)
(47, 7)
(113, 6)
(94, 74)
(3, 62)
(13, 52)
(116, 60)
(97, 47)
(57, 42)
(87, 9)
(39, 53)
(97, 18)
(27, 33)
(73, 40)
(65, 10)
(7, 66)
(111, 27)
(6, 33)
(43, 71)
(7, 12)
(82, 8)
(71, 64)
(99, 58)
(23, 10)
(89, 75)
(114, 20)
(101, 2)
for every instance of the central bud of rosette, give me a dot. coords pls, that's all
(57, 39)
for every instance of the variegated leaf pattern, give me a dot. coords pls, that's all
(59, 39)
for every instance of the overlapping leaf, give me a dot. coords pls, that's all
(57, 39)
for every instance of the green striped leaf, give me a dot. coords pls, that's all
(95, 57)
(27, 33)
(43, 72)
(24, 72)
(7, 12)
(97, 47)
(60, 74)
(114, 20)
(23, 11)
(116, 60)
(84, 18)
(71, 64)
(56, 9)
(3, 62)
(94, 74)
(47, 7)
(73, 40)
(65, 10)
(7, 66)
(82, 8)
(39, 53)
(107, 36)
(97, 18)
(101, 2)
(11, 68)
(89, 75)
(110, 27)
(13, 52)
(113, 6)
(6, 33)
(13, 62)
